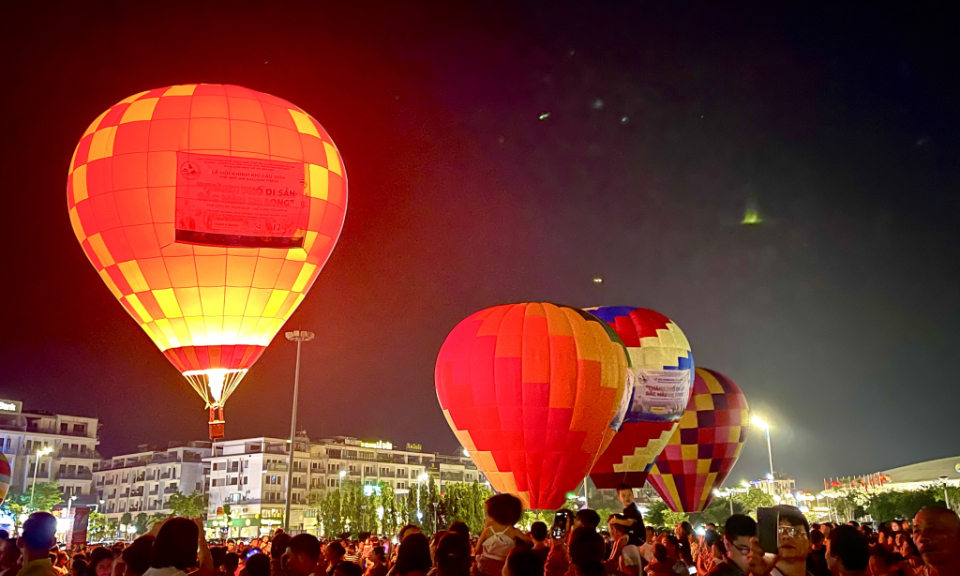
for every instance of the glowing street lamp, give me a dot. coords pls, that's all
(298, 336)
(36, 466)
(761, 423)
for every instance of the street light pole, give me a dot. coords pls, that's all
(298, 336)
(946, 495)
(36, 466)
(761, 423)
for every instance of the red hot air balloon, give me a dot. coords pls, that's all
(703, 450)
(208, 211)
(529, 390)
(662, 365)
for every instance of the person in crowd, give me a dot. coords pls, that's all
(847, 552)
(61, 563)
(624, 556)
(734, 549)
(646, 550)
(258, 565)
(523, 562)
(100, 562)
(936, 532)
(662, 565)
(434, 543)
(816, 560)
(78, 567)
(376, 563)
(413, 556)
(539, 535)
(302, 555)
(9, 557)
(136, 556)
(276, 548)
(175, 550)
(461, 528)
(218, 553)
(453, 556)
(706, 556)
(348, 569)
(679, 563)
(499, 536)
(231, 563)
(793, 540)
(586, 518)
(632, 518)
(912, 562)
(334, 554)
(39, 531)
(586, 553)
(688, 547)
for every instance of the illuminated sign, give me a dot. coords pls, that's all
(11, 406)
(414, 447)
(379, 444)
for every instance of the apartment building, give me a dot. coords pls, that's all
(250, 476)
(50, 447)
(144, 480)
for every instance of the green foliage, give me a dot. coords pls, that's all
(192, 506)
(887, 506)
(97, 528)
(655, 514)
(464, 502)
(141, 523)
(126, 519)
(45, 497)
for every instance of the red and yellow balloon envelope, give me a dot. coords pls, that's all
(529, 390)
(208, 211)
(5, 473)
(662, 367)
(702, 452)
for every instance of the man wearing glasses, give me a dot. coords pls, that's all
(793, 540)
(733, 550)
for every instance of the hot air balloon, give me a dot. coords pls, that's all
(705, 447)
(528, 390)
(662, 366)
(4, 477)
(208, 211)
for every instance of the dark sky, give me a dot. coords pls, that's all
(836, 316)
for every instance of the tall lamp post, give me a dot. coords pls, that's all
(36, 466)
(298, 336)
(946, 496)
(761, 423)
(343, 473)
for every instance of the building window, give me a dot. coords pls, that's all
(63, 427)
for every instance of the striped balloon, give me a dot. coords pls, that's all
(662, 365)
(4, 476)
(703, 450)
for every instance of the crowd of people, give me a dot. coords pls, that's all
(574, 545)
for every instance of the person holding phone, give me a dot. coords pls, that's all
(793, 546)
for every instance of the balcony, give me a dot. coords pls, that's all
(137, 493)
(86, 455)
(153, 507)
(170, 490)
(165, 476)
(387, 474)
(277, 467)
(77, 475)
(110, 482)
(164, 458)
(154, 492)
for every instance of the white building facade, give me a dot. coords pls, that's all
(142, 482)
(49, 447)
(250, 476)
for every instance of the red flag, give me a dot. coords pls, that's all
(825, 487)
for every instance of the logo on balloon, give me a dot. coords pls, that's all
(189, 170)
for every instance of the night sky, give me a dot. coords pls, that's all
(661, 125)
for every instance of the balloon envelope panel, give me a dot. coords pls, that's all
(704, 449)
(529, 390)
(662, 363)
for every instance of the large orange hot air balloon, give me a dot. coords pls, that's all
(208, 211)
(529, 390)
(662, 364)
(703, 450)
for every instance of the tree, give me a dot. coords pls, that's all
(126, 519)
(192, 506)
(45, 497)
(97, 528)
(886, 506)
(141, 523)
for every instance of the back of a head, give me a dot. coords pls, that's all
(337, 549)
(589, 518)
(686, 528)
(79, 566)
(461, 528)
(413, 554)
(218, 553)
(137, 555)
(660, 552)
(739, 525)
(279, 546)
(524, 562)
(39, 531)
(849, 545)
(453, 555)
(348, 569)
(587, 549)
(407, 528)
(231, 560)
(505, 509)
(98, 555)
(176, 544)
(258, 565)
(306, 544)
(538, 531)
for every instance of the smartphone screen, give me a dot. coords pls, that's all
(768, 520)
(559, 524)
